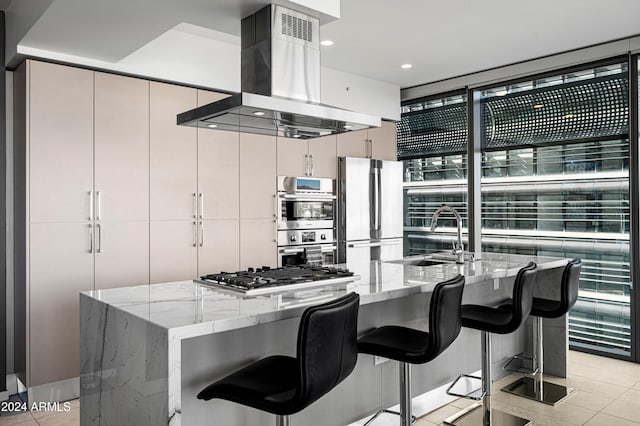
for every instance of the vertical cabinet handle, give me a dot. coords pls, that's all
(201, 234)
(275, 205)
(99, 205)
(195, 234)
(306, 164)
(90, 205)
(275, 232)
(311, 171)
(195, 205)
(201, 196)
(90, 238)
(98, 238)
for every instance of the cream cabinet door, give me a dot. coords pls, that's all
(173, 153)
(121, 147)
(207, 97)
(257, 243)
(292, 157)
(173, 252)
(383, 141)
(218, 246)
(353, 144)
(257, 176)
(60, 131)
(60, 266)
(218, 174)
(121, 254)
(324, 162)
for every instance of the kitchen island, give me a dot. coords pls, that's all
(146, 351)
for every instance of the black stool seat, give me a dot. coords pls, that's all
(509, 316)
(570, 281)
(410, 346)
(269, 385)
(284, 385)
(493, 320)
(416, 346)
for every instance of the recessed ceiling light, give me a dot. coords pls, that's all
(296, 136)
(258, 113)
(501, 93)
(212, 126)
(347, 126)
(405, 66)
(538, 106)
(326, 43)
(569, 115)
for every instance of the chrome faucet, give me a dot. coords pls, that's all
(458, 248)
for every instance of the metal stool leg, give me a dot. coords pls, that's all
(405, 394)
(283, 421)
(406, 418)
(482, 414)
(534, 387)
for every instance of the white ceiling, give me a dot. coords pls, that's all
(372, 37)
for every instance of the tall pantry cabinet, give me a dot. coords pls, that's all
(82, 209)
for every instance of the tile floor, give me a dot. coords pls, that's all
(607, 394)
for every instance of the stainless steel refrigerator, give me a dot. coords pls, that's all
(370, 212)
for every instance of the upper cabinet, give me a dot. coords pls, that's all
(383, 144)
(173, 153)
(60, 132)
(257, 176)
(378, 143)
(312, 157)
(121, 147)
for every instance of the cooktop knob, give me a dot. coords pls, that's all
(323, 236)
(292, 238)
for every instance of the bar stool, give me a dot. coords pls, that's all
(282, 385)
(410, 346)
(504, 320)
(534, 387)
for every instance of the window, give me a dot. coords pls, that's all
(555, 181)
(432, 141)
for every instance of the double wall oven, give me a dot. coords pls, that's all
(306, 220)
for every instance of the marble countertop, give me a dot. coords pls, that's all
(191, 309)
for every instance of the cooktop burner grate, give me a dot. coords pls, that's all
(267, 280)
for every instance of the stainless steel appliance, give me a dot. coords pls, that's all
(306, 221)
(280, 75)
(267, 280)
(369, 209)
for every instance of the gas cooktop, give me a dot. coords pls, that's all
(267, 280)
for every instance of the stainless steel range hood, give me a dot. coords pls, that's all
(280, 83)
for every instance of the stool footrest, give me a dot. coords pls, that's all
(469, 395)
(413, 418)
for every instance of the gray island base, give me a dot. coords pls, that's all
(147, 351)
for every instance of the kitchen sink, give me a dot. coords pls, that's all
(423, 261)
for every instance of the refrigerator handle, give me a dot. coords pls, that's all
(378, 200)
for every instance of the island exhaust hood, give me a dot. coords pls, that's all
(280, 73)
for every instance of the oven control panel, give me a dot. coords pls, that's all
(312, 236)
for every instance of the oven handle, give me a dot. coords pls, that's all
(291, 250)
(305, 197)
(301, 249)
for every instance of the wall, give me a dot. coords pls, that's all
(21, 15)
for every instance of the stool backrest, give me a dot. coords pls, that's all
(327, 346)
(522, 296)
(444, 315)
(570, 284)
